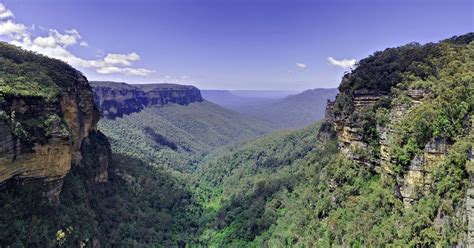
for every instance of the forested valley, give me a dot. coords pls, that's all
(389, 165)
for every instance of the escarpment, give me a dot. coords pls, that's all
(406, 113)
(47, 115)
(118, 99)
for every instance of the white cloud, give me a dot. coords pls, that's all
(344, 63)
(302, 66)
(137, 72)
(12, 30)
(121, 59)
(48, 41)
(56, 44)
(5, 13)
(171, 79)
(126, 71)
(69, 38)
(73, 32)
(108, 70)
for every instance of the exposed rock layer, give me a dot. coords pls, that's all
(470, 196)
(351, 143)
(118, 99)
(41, 137)
(395, 113)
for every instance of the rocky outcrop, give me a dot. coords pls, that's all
(351, 143)
(470, 214)
(366, 98)
(470, 194)
(41, 136)
(418, 175)
(349, 134)
(118, 99)
(399, 113)
(96, 154)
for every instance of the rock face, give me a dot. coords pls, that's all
(350, 141)
(377, 114)
(470, 196)
(348, 133)
(41, 137)
(118, 99)
(366, 98)
(400, 123)
(419, 174)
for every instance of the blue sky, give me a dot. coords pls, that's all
(226, 44)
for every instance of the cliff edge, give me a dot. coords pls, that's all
(117, 99)
(407, 113)
(47, 117)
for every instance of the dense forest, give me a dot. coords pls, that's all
(198, 175)
(177, 136)
(292, 190)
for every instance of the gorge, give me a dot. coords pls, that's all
(106, 164)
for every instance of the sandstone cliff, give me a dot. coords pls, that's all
(118, 99)
(406, 113)
(47, 115)
(470, 194)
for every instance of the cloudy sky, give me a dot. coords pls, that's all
(226, 44)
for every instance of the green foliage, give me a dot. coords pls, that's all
(18, 216)
(25, 73)
(16, 127)
(383, 70)
(444, 115)
(322, 199)
(145, 206)
(336, 202)
(177, 136)
(247, 185)
(140, 205)
(280, 190)
(30, 78)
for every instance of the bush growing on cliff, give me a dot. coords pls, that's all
(29, 74)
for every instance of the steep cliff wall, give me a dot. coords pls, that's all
(46, 113)
(470, 193)
(118, 99)
(377, 101)
(406, 113)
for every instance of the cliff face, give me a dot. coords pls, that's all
(407, 113)
(417, 176)
(351, 141)
(372, 114)
(118, 99)
(41, 135)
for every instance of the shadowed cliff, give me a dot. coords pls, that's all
(47, 117)
(117, 99)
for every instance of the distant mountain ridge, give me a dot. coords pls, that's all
(265, 94)
(116, 99)
(227, 98)
(168, 125)
(292, 111)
